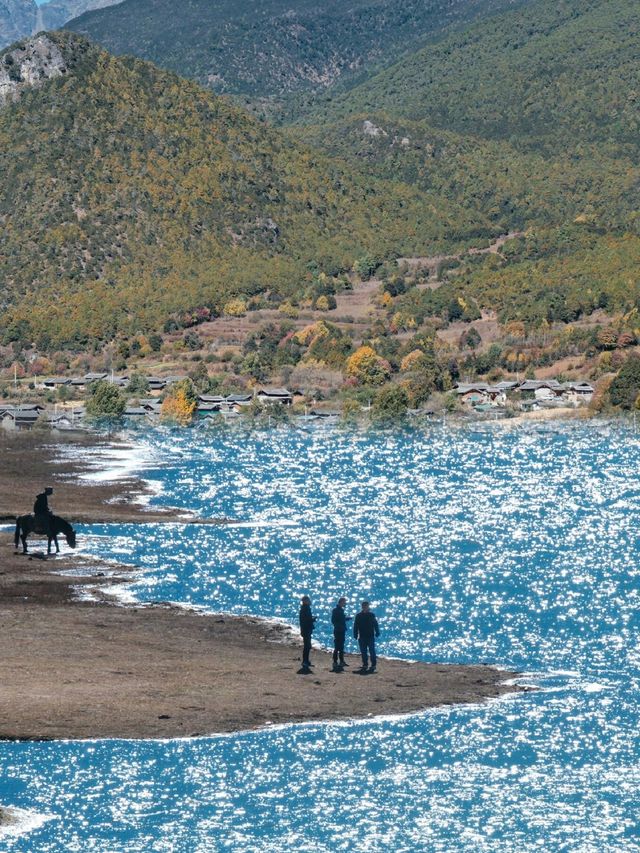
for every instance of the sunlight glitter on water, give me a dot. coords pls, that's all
(515, 547)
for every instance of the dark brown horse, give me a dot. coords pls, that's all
(26, 524)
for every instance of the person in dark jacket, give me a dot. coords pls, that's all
(365, 630)
(339, 622)
(41, 511)
(307, 623)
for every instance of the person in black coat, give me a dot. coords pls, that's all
(339, 622)
(307, 623)
(365, 630)
(41, 511)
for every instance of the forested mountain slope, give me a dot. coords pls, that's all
(531, 118)
(546, 76)
(267, 48)
(128, 194)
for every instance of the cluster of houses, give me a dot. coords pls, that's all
(210, 405)
(527, 395)
(159, 383)
(477, 396)
(29, 415)
(81, 383)
(62, 418)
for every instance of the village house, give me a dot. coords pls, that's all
(550, 392)
(54, 382)
(541, 389)
(119, 381)
(83, 382)
(577, 393)
(275, 395)
(212, 398)
(235, 400)
(481, 393)
(152, 405)
(19, 417)
(94, 377)
(156, 383)
(533, 393)
(26, 416)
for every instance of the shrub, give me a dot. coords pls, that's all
(625, 388)
(235, 308)
(390, 406)
(105, 400)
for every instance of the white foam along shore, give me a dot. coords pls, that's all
(15, 822)
(116, 462)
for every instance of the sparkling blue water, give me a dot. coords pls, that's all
(512, 546)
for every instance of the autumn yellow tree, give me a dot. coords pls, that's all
(411, 360)
(368, 367)
(180, 403)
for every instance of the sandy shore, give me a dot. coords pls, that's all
(83, 669)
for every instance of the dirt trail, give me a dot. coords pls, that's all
(433, 263)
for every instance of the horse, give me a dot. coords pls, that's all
(26, 524)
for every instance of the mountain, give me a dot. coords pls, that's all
(270, 48)
(17, 18)
(20, 18)
(56, 13)
(530, 117)
(129, 193)
(545, 76)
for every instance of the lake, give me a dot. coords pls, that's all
(515, 546)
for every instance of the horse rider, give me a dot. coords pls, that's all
(42, 513)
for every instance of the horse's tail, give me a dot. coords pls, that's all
(17, 536)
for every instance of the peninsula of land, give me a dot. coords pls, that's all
(75, 665)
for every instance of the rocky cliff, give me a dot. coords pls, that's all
(29, 63)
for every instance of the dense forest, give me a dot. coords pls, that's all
(271, 48)
(546, 76)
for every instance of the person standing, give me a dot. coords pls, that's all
(339, 622)
(307, 623)
(365, 630)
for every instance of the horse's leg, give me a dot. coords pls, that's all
(55, 539)
(23, 536)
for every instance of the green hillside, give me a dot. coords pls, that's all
(532, 119)
(544, 77)
(129, 194)
(272, 48)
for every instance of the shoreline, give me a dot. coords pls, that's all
(83, 669)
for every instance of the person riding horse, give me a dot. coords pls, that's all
(42, 513)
